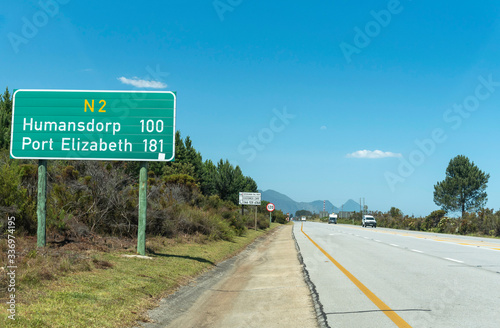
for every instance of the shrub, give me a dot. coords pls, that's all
(237, 222)
(432, 220)
(14, 198)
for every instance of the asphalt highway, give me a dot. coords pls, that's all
(375, 277)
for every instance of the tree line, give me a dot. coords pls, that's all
(189, 195)
(463, 191)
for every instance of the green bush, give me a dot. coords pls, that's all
(237, 222)
(432, 220)
(14, 199)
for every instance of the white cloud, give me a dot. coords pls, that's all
(136, 82)
(372, 154)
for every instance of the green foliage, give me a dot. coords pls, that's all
(193, 157)
(237, 222)
(209, 173)
(483, 223)
(178, 168)
(14, 198)
(324, 219)
(432, 220)
(182, 179)
(250, 185)
(228, 181)
(9, 185)
(187, 196)
(395, 212)
(303, 213)
(279, 217)
(214, 202)
(464, 188)
(5, 119)
(184, 219)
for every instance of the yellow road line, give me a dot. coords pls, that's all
(377, 301)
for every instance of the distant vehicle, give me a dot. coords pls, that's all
(303, 218)
(369, 220)
(332, 218)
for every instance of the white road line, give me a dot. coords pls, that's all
(378, 241)
(394, 245)
(416, 250)
(447, 258)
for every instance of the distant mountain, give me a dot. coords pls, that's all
(351, 206)
(288, 205)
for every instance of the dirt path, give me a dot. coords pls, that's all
(264, 287)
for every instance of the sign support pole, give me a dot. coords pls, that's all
(255, 218)
(143, 204)
(270, 208)
(41, 202)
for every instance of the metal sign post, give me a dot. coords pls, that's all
(250, 198)
(41, 211)
(270, 207)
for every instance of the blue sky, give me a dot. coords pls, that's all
(301, 95)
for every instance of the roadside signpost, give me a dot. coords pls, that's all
(93, 125)
(270, 207)
(250, 198)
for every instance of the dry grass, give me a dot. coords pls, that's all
(70, 285)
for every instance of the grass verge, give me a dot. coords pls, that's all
(117, 291)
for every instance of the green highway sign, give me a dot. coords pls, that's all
(93, 125)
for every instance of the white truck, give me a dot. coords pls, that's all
(303, 218)
(332, 218)
(369, 220)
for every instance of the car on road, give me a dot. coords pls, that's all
(369, 220)
(303, 218)
(332, 218)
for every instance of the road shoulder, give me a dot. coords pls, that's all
(261, 287)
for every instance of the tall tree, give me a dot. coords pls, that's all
(464, 187)
(208, 187)
(250, 185)
(395, 212)
(5, 119)
(180, 149)
(194, 158)
(229, 181)
(179, 163)
(303, 213)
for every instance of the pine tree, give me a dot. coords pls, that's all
(464, 187)
(5, 119)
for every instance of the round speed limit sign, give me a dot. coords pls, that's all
(270, 207)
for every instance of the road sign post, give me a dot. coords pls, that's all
(41, 211)
(143, 204)
(255, 218)
(93, 125)
(270, 207)
(250, 198)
